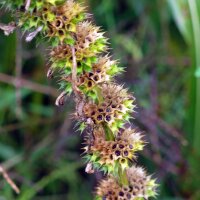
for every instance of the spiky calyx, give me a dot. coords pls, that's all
(113, 108)
(88, 43)
(113, 156)
(140, 187)
(92, 73)
(102, 71)
(58, 19)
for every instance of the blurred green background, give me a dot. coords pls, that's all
(158, 42)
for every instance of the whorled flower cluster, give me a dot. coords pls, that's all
(112, 155)
(113, 109)
(79, 56)
(140, 186)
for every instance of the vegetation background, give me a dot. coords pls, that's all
(158, 42)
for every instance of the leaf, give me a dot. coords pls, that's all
(180, 12)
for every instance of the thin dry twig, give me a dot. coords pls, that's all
(9, 180)
(28, 84)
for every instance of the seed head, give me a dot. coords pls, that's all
(109, 155)
(88, 43)
(140, 186)
(58, 21)
(114, 107)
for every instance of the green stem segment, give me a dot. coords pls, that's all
(109, 133)
(123, 179)
(196, 33)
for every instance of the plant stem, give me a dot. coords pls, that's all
(196, 34)
(109, 133)
(123, 177)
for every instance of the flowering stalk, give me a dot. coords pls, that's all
(79, 56)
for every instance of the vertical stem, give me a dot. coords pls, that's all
(196, 36)
(123, 177)
(109, 133)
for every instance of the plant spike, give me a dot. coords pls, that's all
(103, 108)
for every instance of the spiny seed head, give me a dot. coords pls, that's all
(58, 22)
(88, 42)
(91, 40)
(101, 72)
(101, 69)
(114, 106)
(108, 189)
(140, 186)
(70, 11)
(108, 155)
(67, 16)
(106, 65)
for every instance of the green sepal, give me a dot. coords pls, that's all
(129, 104)
(91, 94)
(55, 2)
(109, 133)
(114, 69)
(86, 67)
(68, 88)
(39, 4)
(69, 40)
(82, 127)
(54, 41)
(80, 17)
(98, 198)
